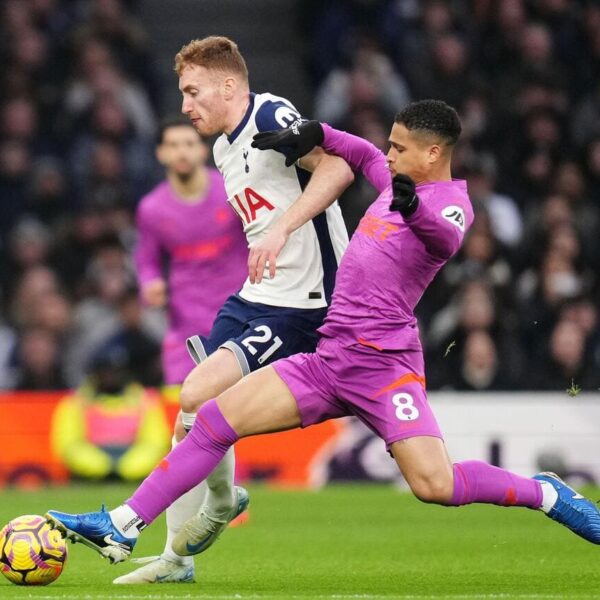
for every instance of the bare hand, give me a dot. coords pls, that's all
(154, 293)
(265, 252)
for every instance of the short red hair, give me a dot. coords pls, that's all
(214, 52)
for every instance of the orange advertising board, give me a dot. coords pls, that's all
(288, 458)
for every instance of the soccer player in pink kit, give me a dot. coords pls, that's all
(369, 361)
(185, 219)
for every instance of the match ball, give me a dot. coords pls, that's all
(31, 551)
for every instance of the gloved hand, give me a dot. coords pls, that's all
(405, 199)
(296, 141)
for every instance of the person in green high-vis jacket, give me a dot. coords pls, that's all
(110, 426)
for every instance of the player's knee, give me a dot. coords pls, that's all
(188, 397)
(432, 489)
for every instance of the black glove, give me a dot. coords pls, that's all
(295, 142)
(405, 199)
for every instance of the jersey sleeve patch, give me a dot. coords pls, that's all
(455, 215)
(276, 115)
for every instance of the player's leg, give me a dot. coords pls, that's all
(271, 334)
(432, 477)
(424, 462)
(179, 357)
(222, 500)
(169, 567)
(260, 403)
(414, 438)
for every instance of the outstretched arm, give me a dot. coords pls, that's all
(301, 137)
(361, 155)
(331, 176)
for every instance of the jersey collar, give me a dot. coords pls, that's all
(236, 132)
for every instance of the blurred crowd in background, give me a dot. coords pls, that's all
(516, 309)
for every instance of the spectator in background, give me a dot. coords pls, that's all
(109, 22)
(38, 361)
(110, 162)
(544, 290)
(15, 164)
(585, 118)
(334, 26)
(74, 247)
(48, 196)
(564, 364)
(369, 81)
(449, 76)
(35, 284)
(479, 366)
(96, 318)
(141, 351)
(110, 426)
(472, 309)
(28, 245)
(504, 216)
(480, 258)
(78, 106)
(97, 78)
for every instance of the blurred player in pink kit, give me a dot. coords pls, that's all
(369, 361)
(185, 219)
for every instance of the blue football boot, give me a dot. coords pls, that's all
(573, 510)
(95, 530)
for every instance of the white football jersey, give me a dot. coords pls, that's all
(260, 188)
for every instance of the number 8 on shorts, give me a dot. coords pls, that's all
(405, 408)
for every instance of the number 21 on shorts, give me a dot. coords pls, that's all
(405, 407)
(266, 335)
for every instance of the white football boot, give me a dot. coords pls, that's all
(157, 569)
(201, 531)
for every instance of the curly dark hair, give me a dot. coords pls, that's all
(431, 116)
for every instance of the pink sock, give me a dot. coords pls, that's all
(476, 481)
(185, 466)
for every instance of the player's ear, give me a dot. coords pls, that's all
(229, 87)
(434, 153)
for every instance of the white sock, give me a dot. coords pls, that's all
(221, 498)
(549, 496)
(184, 508)
(188, 420)
(127, 521)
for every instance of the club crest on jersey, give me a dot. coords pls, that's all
(245, 155)
(455, 215)
(248, 203)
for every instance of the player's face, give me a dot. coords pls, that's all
(181, 150)
(410, 154)
(203, 100)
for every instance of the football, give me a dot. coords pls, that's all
(31, 552)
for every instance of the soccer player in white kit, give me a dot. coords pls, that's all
(272, 316)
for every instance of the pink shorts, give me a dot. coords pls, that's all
(385, 390)
(176, 360)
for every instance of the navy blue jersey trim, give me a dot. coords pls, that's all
(328, 259)
(236, 132)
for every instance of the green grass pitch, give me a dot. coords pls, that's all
(363, 542)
